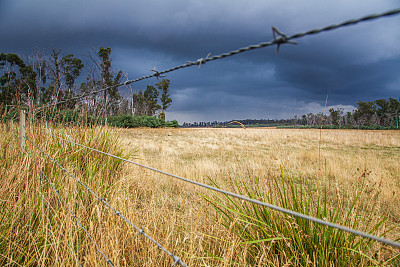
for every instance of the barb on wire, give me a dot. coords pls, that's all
(61, 199)
(200, 61)
(116, 212)
(282, 39)
(277, 208)
(157, 74)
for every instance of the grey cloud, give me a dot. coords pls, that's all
(355, 63)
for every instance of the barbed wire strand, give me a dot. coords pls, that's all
(280, 209)
(116, 212)
(70, 211)
(279, 39)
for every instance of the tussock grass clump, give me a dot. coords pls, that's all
(272, 238)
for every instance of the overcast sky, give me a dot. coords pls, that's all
(360, 62)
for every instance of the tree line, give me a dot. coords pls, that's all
(378, 114)
(381, 113)
(37, 80)
(246, 122)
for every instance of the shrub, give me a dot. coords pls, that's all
(173, 123)
(122, 121)
(129, 121)
(148, 121)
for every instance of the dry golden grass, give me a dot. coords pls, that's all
(173, 212)
(341, 159)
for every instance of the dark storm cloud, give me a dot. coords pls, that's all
(361, 62)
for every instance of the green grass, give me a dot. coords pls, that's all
(274, 238)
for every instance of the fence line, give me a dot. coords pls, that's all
(277, 208)
(116, 212)
(61, 199)
(279, 39)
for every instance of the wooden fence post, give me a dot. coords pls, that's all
(22, 129)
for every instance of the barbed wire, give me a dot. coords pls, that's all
(61, 199)
(279, 39)
(277, 208)
(176, 259)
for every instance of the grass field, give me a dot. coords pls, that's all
(343, 158)
(348, 176)
(345, 162)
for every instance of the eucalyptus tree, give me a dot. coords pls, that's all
(111, 95)
(166, 100)
(17, 80)
(146, 102)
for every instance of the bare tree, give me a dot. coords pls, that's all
(38, 64)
